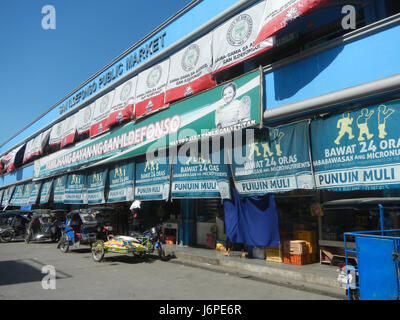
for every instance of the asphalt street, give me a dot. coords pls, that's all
(123, 277)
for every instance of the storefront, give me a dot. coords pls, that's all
(236, 109)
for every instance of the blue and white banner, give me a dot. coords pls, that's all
(35, 191)
(121, 182)
(358, 149)
(152, 179)
(278, 160)
(96, 182)
(59, 189)
(75, 190)
(45, 191)
(204, 176)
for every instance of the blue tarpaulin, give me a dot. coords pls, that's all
(252, 221)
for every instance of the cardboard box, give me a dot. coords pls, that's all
(298, 247)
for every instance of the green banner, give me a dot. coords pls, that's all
(26, 194)
(45, 191)
(152, 180)
(277, 160)
(76, 189)
(1, 195)
(218, 111)
(121, 182)
(7, 196)
(96, 182)
(16, 198)
(204, 176)
(33, 198)
(59, 189)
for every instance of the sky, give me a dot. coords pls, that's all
(39, 67)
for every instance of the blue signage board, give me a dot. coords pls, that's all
(152, 180)
(76, 189)
(201, 176)
(96, 182)
(277, 160)
(358, 149)
(121, 182)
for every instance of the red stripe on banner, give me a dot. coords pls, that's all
(196, 86)
(244, 59)
(98, 128)
(26, 159)
(290, 14)
(150, 105)
(120, 115)
(69, 139)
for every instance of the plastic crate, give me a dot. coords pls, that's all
(296, 259)
(274, 254)
(307, 235)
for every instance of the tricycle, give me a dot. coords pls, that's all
(139, 245)
(13, 224)
(45, 225)
(81, 227)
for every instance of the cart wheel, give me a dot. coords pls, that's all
(98, 251)
(7, 237)
(64, 245)
(161, 252)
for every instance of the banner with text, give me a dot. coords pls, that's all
(121, 182)
(84, 119)
(45, 191)
(101, 111)
(358, 149)
(190, 70)
(96, 182)
(204, 176)
(150, 91)
(152, 179)
(122, 108)
(16, 199)
(68, 130)
(233, 41)
(76, 189)
(278, 13)
(7, 196)
(277, 161)
(59, 189)
(35, 192)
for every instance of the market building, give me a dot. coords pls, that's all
(320, 93)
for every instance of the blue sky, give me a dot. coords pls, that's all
(39, 67)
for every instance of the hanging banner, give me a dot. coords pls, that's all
(359, 149)
(96, 182)
(278, 160)
(1, 196)
(233, 41)
(218, 111)
(35, 191)
(150, 91)
(278, 13)
(26, 194)
(101, 111)
(59, 189)
(56, 135)
(13, 159)
(34, 147)
(68, 131)
(7, 196)
(190, 70)
(204, 176)
(45, 191)
(123, 108)
(76, 189)
(16, 199)
(152, 180)
(84, 119)
(121, 182)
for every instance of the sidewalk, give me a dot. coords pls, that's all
(312, 277)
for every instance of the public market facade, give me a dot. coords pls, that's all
(322, 100)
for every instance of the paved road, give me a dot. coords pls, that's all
(123, 277)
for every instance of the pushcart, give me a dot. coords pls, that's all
(376, 276)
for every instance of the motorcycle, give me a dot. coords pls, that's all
(13, 224)
(139, 245)
(45, 225)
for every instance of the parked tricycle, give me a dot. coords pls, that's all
(81, 227)
(104, 217)
(45, 225)
(13, 224)
(139, 245)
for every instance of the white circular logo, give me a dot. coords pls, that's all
(154, 77)
(125, 92)
(240, 30)
(190, 57)
(104, 104)
(87, 116)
